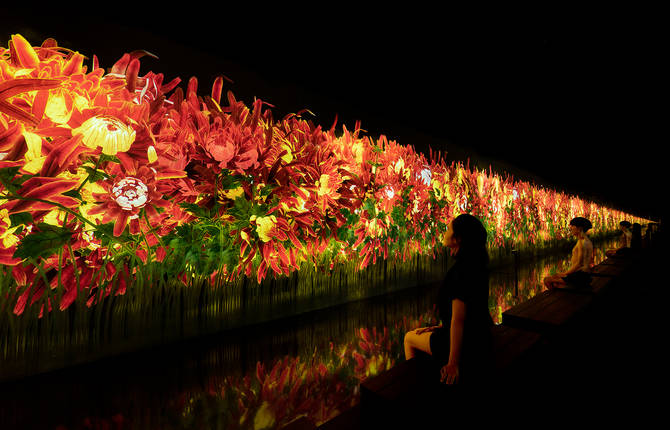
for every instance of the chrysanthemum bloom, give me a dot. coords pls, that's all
(109, 133)
(126, 197)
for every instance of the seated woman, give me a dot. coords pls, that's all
(580, 261)
(462, 343)
(624, 240)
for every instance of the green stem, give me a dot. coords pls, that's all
(95, 169)
(69, 211)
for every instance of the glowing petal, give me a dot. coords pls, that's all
(57, 109)
(106, 132)
(25, 53)
(151, 154)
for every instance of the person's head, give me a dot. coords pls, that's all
(625, 225)
(580, 225)
(467, 236)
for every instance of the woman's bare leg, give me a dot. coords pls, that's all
(415, 341)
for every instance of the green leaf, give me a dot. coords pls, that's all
(24, 218)
(7, 177)
(195, 210)
(43, 243)
(105, 231)
(73, 193)
(398, 216)
(369, 206)
(95, 175)
(230, 182)
(106, 157)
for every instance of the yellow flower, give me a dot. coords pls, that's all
(234, 193)
(264, 225)
(56, 109)
(55, 217)
(300, 208)
(357, 150)
(480, 184)
(399, 166)
(288, 157)
(264, 418)
(325, 186)
(107, 132)
(7, 237)
(34, 158)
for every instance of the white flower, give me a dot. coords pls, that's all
(130, 193)
(426, 175)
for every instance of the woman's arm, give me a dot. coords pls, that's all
(427, 329)
(449, 373)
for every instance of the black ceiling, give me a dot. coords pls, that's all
(573, 103)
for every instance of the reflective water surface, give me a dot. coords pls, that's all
(262, 377)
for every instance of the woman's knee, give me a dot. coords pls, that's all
(409, 337)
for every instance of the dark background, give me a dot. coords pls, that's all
(567, 99)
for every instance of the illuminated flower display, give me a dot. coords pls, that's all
(115, 169)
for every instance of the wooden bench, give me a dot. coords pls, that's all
(510, 345)
(400, 381)
(302, 423)
(608, 269)
(547, 311)
(347, 420)
(602, 276)
(420, 374)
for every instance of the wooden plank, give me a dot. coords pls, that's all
(349, 420)
(510, 344)
(400, 384)
(549, 311)
(600, 284)
(302, 423)
(532, 302)
(607, 269)
(378, 383)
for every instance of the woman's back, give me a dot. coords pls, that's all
(582, 255)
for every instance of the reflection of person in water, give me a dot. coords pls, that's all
(624, 240)
(580, 261)
(462, 344)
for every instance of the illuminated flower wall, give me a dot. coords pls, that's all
(103, 172)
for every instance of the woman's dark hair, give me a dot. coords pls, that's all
(624, 224)
(582, 223)
(473, 235)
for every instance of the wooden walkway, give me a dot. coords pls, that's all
(525, 328)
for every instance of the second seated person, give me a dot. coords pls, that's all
(581, 260)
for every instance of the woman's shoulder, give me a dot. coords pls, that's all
(587, 243)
